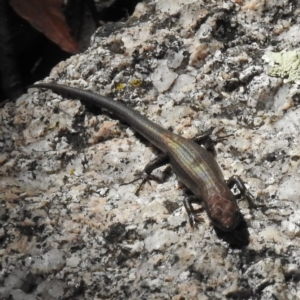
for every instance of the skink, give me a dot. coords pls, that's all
(193, 164)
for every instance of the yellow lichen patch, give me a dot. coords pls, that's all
(136, 82)
(120, 86)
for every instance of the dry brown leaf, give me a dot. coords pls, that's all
(47, 17)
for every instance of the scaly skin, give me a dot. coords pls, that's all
(193, 164)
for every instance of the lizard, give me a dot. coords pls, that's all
(193, 164)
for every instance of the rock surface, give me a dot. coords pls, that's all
(69, 230)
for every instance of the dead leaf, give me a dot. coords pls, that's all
(47, 17)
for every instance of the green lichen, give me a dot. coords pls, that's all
(284, 64)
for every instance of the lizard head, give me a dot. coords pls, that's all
(223, 212)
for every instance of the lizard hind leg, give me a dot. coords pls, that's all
(207, 142)
(146, 175)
